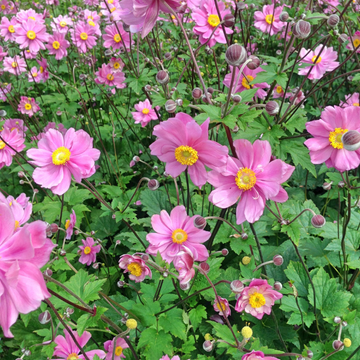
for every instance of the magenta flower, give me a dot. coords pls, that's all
(16, 124)
(11, 142)
(14, 65)
(206, 19)
(175, 232)
(183, 263)
(351, 100)
(30, 14)
(253, 178)
(67, 349)
(243, 83)
(116, 37)
(57, 45)
(31, 34)
(257, 299)
(326, 146)
(116, 63)
(61, 24)
(119, 348)
(2, 53)
(69, 225)
(3, 91)
(91, 2)
(183, 144)
(354, 44)
(33, 75)
(136, 266)
(21, 209)
(166, 357)
(28, 106)
(268, 20)
(8, 28)
(279, 92)
(223, 307)
(106, 75)
(324, 62)
(88, 251)
(144, 113)
(257, 355)
(83, 36)
(91, 15)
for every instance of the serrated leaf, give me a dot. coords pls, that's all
(154, 201)
(223, 332)
(172, 322)
(155, 343)
(296, 273)
(196, 315)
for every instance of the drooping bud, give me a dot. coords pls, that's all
(197, 93)
(200, 222)
(318, 221)
(179, 102)
(225, 252)
(167, 56)
(147, 87)
(48, 272)
(278, 285)
(236, 99)
(244, 236)
(342, 38)
(344, 324)
(236, 286)
(235, 55)
(185, 287)
(170, 106)
(44, 317)
(120, 284)
(21, 174)
(326, 186)
(278, 260)
(337, 345)
(302, 29)
(162, 77)
(62, 252)
(54, 228)
(210, 90)
(204, 98)
(284, 16)
(272, 107)
(254, 63)
(205, 267)
(333, 20)
(337, 320)
(153, 184)
(351, 140)
(241, 6)
(207, 345)
(229, 20)
(136, 159)
(2, 113)
(341, 184)
(310, 354)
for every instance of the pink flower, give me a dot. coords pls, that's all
(3, 91)
(324, 62)
(11, 142)
(119, 348)
(57, 45)
(279, 92)
(33, 75)
(67, 349)
(257, 355)
(144, 114)
(116, 37)
(116, 63)
(44, 74)
(268, 20)
(183, 263)
(31, 34)
(69, 225)
(136, 266)
(91, 2)
(21, 209)
(183, 144)
(8, 28)
(15, 124)
(91, 15)
(166, 357)
(7, 7)
(88, 251)
(352, 45)
(83, 36)
(28, 106)
(243, 83)
(175, 232)
(257, 299)
(326, 146)
(2, 53)
(206, 19)
(61, 24)
(14, 65)
(106, 75)
(350, 100)
(30, 14)
(253, 178)
(60, 156)
(223, 307)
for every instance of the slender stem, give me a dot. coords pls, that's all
(225, 221)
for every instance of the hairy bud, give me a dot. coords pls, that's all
(310, 354)
(326, 186)
(48, 272)
(153, 184)
(225, 252)
(205, 267)
(342, 38)
(236, 98)
(120, 284)
(272, 107)
(337, 320)
(170, 106)
(333, 20)
(236, 286)
(284, 16)
(200, 222)
(197, 93)
(179, 102)
(229, 20)
(241, 6)
(337, 345)
(278, 260)
(277, 285)
(302, 29)
(351, 140)
(44, 317)
(162, 77)
(235, 55)
(318, 221)
(207, 345)
(254, 63)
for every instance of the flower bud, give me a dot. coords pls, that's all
(236, 98)
(337, 320)
(200, 222)
(205, 267)
(147, 87)
(120, 284)
(2, 113)
(302, 29)
(326, 186)
(341, 184)
(351, 140)
(337, 345)
(27, 352)
(145, 257)
(347, 342)
(342, 38)
(278, 285)
(236, 286)
(126, 27)
(162, 77)
(53, 228)
(197, 93)
(153, 184)
(244, 236)
(21, 174)
(318, 221)
(185, 287)
(136, 159)
(272, 107)
(167, 56)
(235, 55)
(48, 272)
(204, 98)
(246, 260)
(44, 317)
(241, 6)
(95, 265)
(113, 216)
(207, 345)
(165, 274)
(179, 102)
(77, 232)
(170, 106)
(344, 324)
(310, 354)
(246, 332)
(278, 260)
(284, 16)
(62, 252)
(131, 324)
(254, 63)
(333, 20)
(229, 20)
(225, 252)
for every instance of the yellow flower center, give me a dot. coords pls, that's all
(269, 19)
(87, 250)
(245, 179)
(28, 106)
(179, 236)
(91, 17)
(112, 9)
(245, 82)
(221, 306)
(56, 45)
(257, 300)
(335, 138)
(31, 35)
(117, 38)
(213, 20)
(34, 74)
(3, 7)
(173, 17)
(356, 104)
(145, 111)
(116, 65)
(14, 64)
(118, 350)
(83, 36)
(91, 23)
(41, 69)
(279, 89)
(11, 29)
(356, 43)
(72, 356)
(67, 224)
(110, 1)
(110, 77)
(17, 224)
(61, 155)
(2, 144)
(135, 269)
(314, 58)
(186, 155)
(31, 17)
(63, 24)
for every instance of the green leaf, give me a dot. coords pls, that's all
(247, 95)
(172, 322)
(154, 201)
(155, 343)
(196, 315)
(297, 274)
(212, 111)
(223, 332)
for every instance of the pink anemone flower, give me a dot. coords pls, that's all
(268, 20)
(354, 42)
(183, 144)
(222, 307)
(120, 345)
(144, 113)
(136, 266)
(174, 232)
(83, 36)
(322, 60)
(91, 15)
(60, 156)
(8, 28)
(57, 45)
(33, 75)
(184, 262)
(88, 251)
(326, 146)
(67, 349)
(4, 90)
(31, 34)
(2, 53)
(166, 357)
(279, 92)
(116, 37)
(206, 19)
(106, 75)
(61, 24)
(14, 65)
(16, 124)
(11, 142)
(351, 100)
(69, 225)
(28, 106)
(116, 63)
(257, 355)
(21, 208)
(252, 177)
(30, 14)
(257, 299)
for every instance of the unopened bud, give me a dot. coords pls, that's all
(136, 159)
(302, 29)
(284, 16)
(197, 93)
(21, 174)
(344, 323)
(244, 236)
(278, 260)
(343, 38)
(153, 184)
(162, 77)
(229, 20)
(241, 6)
(337, 320)
(278, 285)
(200, 222)
(113, 216)
(207, 345)
(341, 184)
(179, 102)
(120, 284)
(145, 257)
(333, 20)
(310, 354)
(27, 352)
(318, 221)
(351, 140)
(236, 98)
(44, 317)
(205, 99)
(48, 272)
(170, 106)
(92, 232)
(337, 345)
(327, 186)
(76, 232)
(62, 252)
(54, 228)
(236, 286)
(147, 87)
(2, 113)
(235, 55)
(210, 90)
(272, 107)
(95, 265)
(225, 252)
(254, 63)
(165, 274)
(205, 267)
(185, 287)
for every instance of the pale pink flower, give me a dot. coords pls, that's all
(16, 124)
(268, 20)
(43, 74)
(257, 355)
(30, 54)
(2, 53)
(83, 36)
(279, 92)
(136, 266)
(250, 180)
(116, 37)
(116, 63)
(33, 75)
(223, 307)
(326, 146)
(30, 14)
(322, 60)
(4, 90)
(67, 349)
(88, 251)
(106, 75)
(8, 28)
(21, 209)
(183, 263)
(355, 43)
(119, 348)
(91, 2)
(166, 357)
(174, 232)
(144, 113)
(28, 106)
(184, 144)
(57, 45)
(257, 299)
(91, 15)
(61, 24)
(11, 142)
(69, 225)
(50, 125)
(351, 100)
(206, 19)
(61, 156)
(14, 65)
(31, 34)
